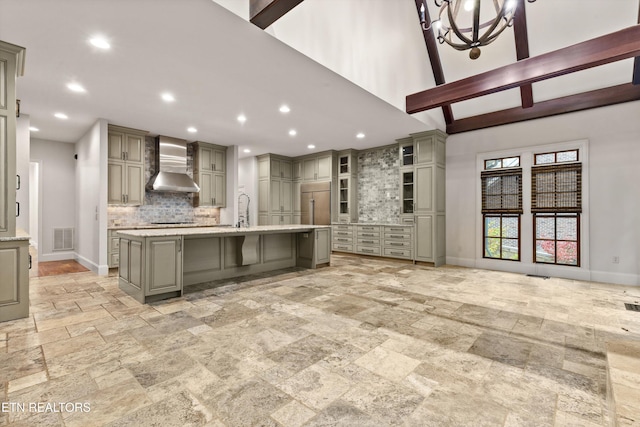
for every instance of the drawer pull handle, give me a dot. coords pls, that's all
(366, 250)
(396, 244)
(397, 253)
(368, 234)
(395, 236)
(367, 241)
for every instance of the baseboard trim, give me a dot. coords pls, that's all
(58, 256)
(616, 278)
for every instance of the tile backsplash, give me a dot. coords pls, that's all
(379, 185)
(162, 206)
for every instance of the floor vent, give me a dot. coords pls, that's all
(632, 307)
(63, 239)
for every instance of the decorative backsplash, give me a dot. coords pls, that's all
(162, 206)
(379, 185)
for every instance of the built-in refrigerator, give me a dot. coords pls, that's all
(315, 203)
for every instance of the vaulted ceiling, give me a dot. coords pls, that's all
(559, 57)
(344, 66)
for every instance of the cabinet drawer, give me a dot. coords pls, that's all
(114, 260)
(340, 247)
(114, 244)
(403, 244)
(343, 240)
(397, 236)
(369, 234)
(342, 233)
(342, 227)
(368, 241)
(398, 229)
(368, 228)
(368, 250)
(397, 253)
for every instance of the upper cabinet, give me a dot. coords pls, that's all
(212, 158)
(317, 168)
(11, 66)
(125, 169)
(348, 186)
(210, 166)
(275, 190)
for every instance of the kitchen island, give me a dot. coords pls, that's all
(157, 264)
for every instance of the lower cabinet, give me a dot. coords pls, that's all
(151, 266)
(322, 249)
(392, 241)
(113, 249)
(14, 279)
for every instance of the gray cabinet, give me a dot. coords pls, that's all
(275, 190)
(113, 249)
(323, 246)
(11, 66)
(347, 186)
(368, 239)
(210, 174)
(422, 177)
(342, 237)
(317, 168)
(14, 279)
(151, 266)
(125, 169)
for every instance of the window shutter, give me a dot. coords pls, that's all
(556, 188)
(502, 191)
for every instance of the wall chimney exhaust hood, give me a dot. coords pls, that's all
(171, 167)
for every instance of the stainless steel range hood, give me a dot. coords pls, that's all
(171, 167)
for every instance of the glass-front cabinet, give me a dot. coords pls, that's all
(344, 196)
(407, 192)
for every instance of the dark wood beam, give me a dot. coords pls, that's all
(522, 49)
(592, 53)
(434, 56)
(597, 98)
(263, 13)
(636, 63)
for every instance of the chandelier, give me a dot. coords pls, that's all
(459, 22)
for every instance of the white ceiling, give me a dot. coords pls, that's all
(218, 65)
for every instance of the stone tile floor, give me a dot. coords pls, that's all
(365, 342)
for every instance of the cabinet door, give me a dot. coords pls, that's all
(14, 280)
(116, 145)
(407, 191)
(116, 178)
(285, 170)
(134, 148)
(296, 197)
(324, 167)
(275, 168)
(297, 170)
(309, 169)
(424, 149)
(263, 196)
(164, 265)
(219, 190)
(423, 189)
(207, 159)
(206, 189)
(134, 184)
(219, 160)
(275, 194)
(424, 238)
(286, 196)
(323, 246)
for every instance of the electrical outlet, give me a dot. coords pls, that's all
(615, 259)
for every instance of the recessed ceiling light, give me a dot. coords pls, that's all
(33, 129)
(192, 129)
(360, 135)
(75, 87)
(311, 146)
(246, 150)
(284, 108)
(242, 118)
(167, 97)
(62, 116)
(100, 42)
(293, 132)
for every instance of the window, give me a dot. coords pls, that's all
(501, 210)
(556, 204)
(504, 162)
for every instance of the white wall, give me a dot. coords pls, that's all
(57, 195)
(613, 135)
(248, 182)
(91, 198)
(23, 150)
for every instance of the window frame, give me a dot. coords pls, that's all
(555, 217)
(555, 157)
(485, 236)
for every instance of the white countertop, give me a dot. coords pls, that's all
(207, 231)
(148, 226)
(20, 235)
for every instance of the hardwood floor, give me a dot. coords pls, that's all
(56, 268)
